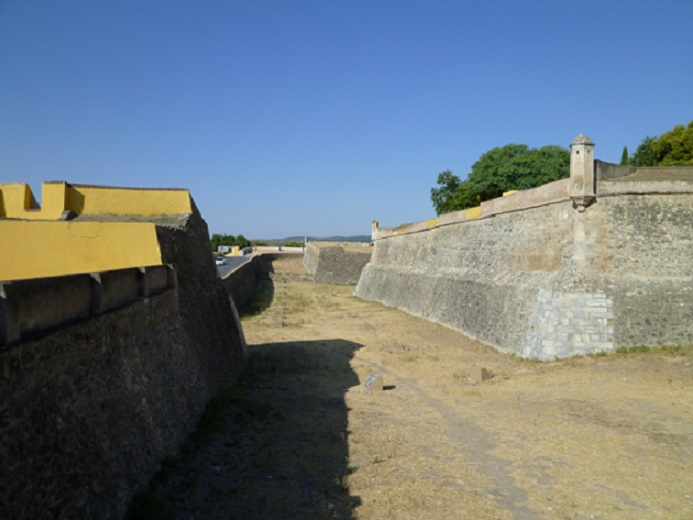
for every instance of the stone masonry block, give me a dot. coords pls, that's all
(479, 374)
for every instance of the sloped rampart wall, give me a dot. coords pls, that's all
(538, 275)
(241, 282)
(94, 395)
(334, 263)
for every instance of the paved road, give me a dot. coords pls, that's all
(231, 263)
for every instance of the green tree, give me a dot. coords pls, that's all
(443, 197)
(624, 156)
(517, 167)
(227, 240)
(215, 241)
(241, 241)
(675, 147)
(512, 167)
(644, 154)
(453, 194)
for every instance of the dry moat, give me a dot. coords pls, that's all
(300, 437)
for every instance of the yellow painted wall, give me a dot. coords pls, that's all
(38, 249)
(53, 199)
(472, 213)
(57, 196)
(16, 199)
(126, 201)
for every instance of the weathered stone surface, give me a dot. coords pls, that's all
(477, 276)
(34, 306)
(548, 281)
(89, 411)
(311, 257)
(563, 324)
(582, 179)
(336, 264)
(241, 282)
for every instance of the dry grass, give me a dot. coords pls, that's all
(607, 437)
(596, 437)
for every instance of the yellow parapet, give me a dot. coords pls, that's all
(41, 249)
(472, 213)
(86, 200)
(54, 198)
(17, 201)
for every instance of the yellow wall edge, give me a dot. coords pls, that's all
(41, 249)
(473, 213)
(17, 201)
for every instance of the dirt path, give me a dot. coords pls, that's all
(598, 437)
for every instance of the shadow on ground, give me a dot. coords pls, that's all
(295, 430)
(282, 451)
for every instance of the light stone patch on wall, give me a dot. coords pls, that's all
(310, 258)
(564, 324)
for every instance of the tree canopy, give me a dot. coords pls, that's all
(644, 154)
(673, 148)
(228, 240)
(511, 167)
(452, 194)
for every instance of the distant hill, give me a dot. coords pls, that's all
(353, 238)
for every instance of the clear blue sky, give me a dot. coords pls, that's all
(317, 116)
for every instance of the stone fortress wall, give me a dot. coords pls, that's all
(104, 373)
(242, 281)
(33, 306)
(336, 263)
(310, 258)
(581, 265)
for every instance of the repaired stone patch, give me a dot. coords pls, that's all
(565, 324)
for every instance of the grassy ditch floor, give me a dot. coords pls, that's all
(599, 437)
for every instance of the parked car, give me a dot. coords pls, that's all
(220, 260)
